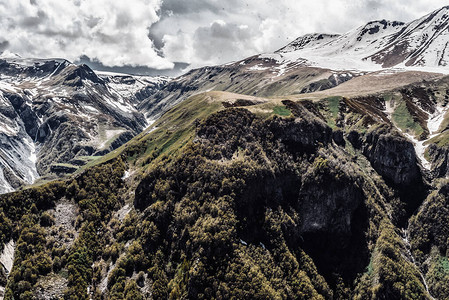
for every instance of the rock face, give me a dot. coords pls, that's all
(392, 156)
(328, 204)
(53, 111)
(6, 264)
(439, 160)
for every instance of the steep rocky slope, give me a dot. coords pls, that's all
(55, 115)
(246, 197)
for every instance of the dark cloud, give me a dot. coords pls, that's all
(222, 41)
(92, 21)
(178, 7)
(156, 37)
(35, 20)
(135, 70)
(4, 45)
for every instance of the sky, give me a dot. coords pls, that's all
(169, 37)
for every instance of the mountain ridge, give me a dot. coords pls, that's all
(54, 111)
(379, 44)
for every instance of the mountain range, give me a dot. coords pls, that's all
(379, 44)
(318, 171)
(55, 115)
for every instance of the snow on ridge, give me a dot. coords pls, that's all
(308, 41)
(367, 47)
(141, 78)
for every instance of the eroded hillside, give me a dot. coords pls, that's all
(228, 195)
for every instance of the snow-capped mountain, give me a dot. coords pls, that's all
(56, 115)
(423, 42)
(308, 41)
(133, 87)
(420, 44)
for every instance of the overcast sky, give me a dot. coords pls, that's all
(153, 36)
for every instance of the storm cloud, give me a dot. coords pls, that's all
(166, 34)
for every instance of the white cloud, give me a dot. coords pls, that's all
(206, 29)
(198, 32)
(113, 32)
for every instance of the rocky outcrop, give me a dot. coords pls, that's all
(439, 158)
(62, 169)
(299, 135)
(304, 133)
(330, 82)
(6, 264)
(75, 76)
(392, 156)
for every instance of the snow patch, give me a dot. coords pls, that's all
(433, 124)
(258, 68)
(32, 158)
(126, 175)
(436, 120)
(9, 130)
(102, 140)
(420, 149)
(389, 109)
(150, 121)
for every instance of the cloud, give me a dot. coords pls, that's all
(213, 32)
(219, 41)
(113, 32)
(157, 33)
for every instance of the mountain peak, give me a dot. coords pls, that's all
(444, 8)
(378, 44)
(308, 41)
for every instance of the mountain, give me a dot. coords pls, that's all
(421, 43)
(57, 115)
(228, 195)
(272, 177)
(321, 61)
